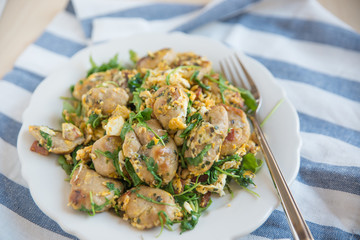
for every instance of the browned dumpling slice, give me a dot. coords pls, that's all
(204, 143)
(104, 165)
(95, 79)
(239, 131)
(56, 141)
(170, 107)
(153, 60)
(86, 182)
(152, 154)
(104, 98)
(191, 59)
(143, 213)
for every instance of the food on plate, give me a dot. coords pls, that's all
(153, 141)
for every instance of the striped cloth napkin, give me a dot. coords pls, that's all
(314, 57)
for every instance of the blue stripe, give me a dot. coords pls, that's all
(306, 30)
(341, 86)
(23, 78)
(157, 11)
(70, 8)
(315, 125)
(9, 129)
(219, 11)
(58, 44)
(18, 199)
(340, 178)
(276, 226)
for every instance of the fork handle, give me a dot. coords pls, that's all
(297, 224)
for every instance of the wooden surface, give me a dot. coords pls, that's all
(23, 21)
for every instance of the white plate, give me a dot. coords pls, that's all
(226, 218)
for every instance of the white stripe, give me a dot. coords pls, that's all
(67, 26)
(298, 9)
(328, 207)
(10, 165)
(323, 149)
(16, 99)
(20, 228)
(91, 8)
(39, 60)
(323, 104)
(314, 56)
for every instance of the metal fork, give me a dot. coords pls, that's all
(234, 70)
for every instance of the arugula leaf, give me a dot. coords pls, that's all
(133, 56)
(167, 223)
(152, 167)
(95, 119)
(165, 138)
(190, 220)
(196, 80)
(250, 162)
(111, 187)
(146, 114)
(130, 169)
(126, 127)
(135, 82)
(227, 159)
(194, 120)
(136, 100)
(47, 138)
(114, 156)
(113, 63)
(198, 159)
(66, 166)
(94, 207)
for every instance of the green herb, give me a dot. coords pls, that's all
(199, 158)
(126, 127)
(133, 56)
(187, 190)
(154, 201)
(190, 220)
(113, 63)
(114, 156)
(95, 119)
(165, 138)
(271, 112)
(249, 99)
(94, 207)
(193, 121)
(226, 172)
(72, 87)
(250, 162)
(47, 138)
(196, 80)
(135, 82)
(66, 166)
(155, 87)
(176, 69)
(73, 170)
(167, 223)
(130, 169)
(111, 187)
(152, 167)
(73, 154)
(235, 157)
(137, 101)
